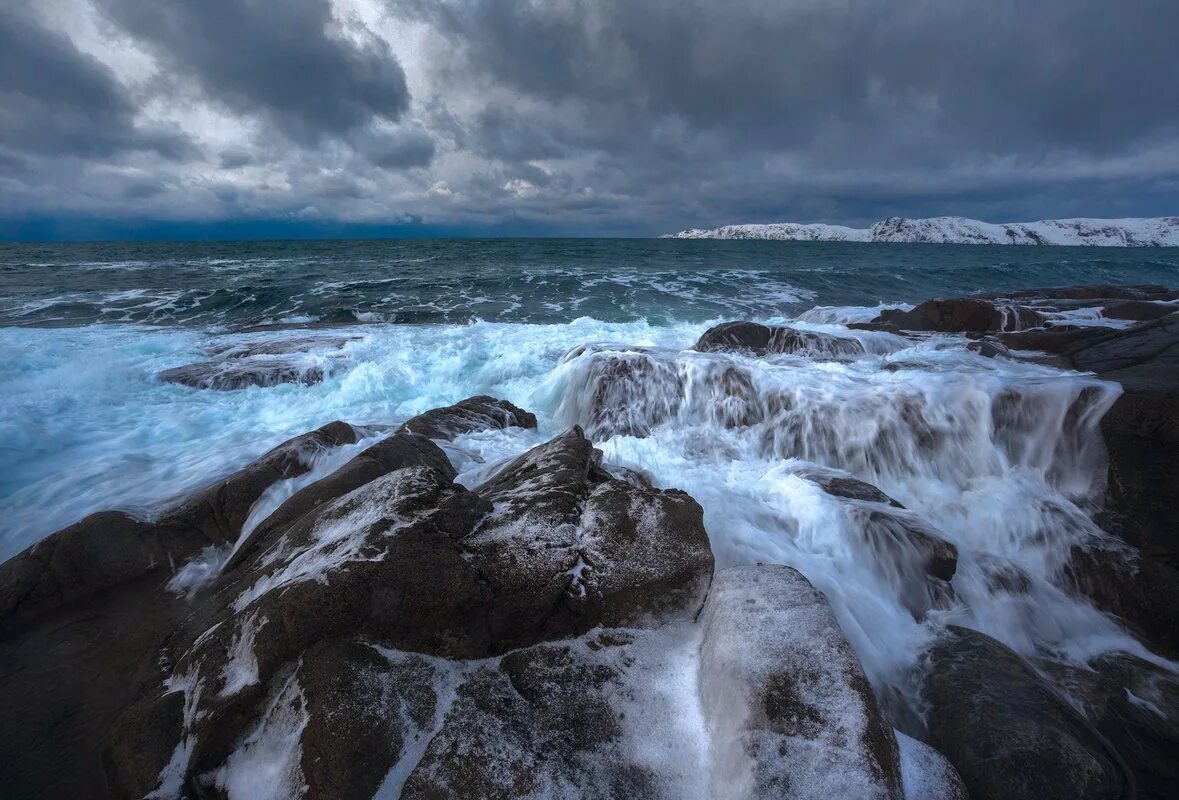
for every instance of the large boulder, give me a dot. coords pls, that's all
(962, 315)
(789, 708)
(111, 547)
(473, 414)
(761, 340)
(1141, 592)
(1007, 732)
(1135, 705)
(550, 546)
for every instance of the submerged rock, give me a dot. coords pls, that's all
(1009, 735)
(764, 339)
(241, 373)
(790, 710)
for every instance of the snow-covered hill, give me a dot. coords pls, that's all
(1153, 232)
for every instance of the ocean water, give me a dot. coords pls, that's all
(1001, 457)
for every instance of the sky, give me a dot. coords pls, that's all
(242, 118)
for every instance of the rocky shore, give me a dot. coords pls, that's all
(560, 628)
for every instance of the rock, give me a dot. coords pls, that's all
(241, 373)
(1137, 310)
(963, 315)
(787, 703)
(1091, 292)
(910, 555)
(567, 548)
(279, 347)
(848, 487)
(111, 547)
(1005, 730)
(927, 774)
(1141, 430)
(1140, 591)
(1135, 705)
(763, 340)
(473, 414)
(989, 348)
(402, 449)
(627, 393)
(101, 551)
(550, 546)
(547, 721)
(220, 511)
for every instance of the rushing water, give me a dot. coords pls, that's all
(1001, 457)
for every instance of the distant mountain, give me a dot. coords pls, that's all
(1152, 232)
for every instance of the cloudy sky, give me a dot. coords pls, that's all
(207, 117)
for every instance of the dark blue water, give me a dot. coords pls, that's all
(233, 285)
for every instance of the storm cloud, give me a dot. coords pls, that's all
(595, 116)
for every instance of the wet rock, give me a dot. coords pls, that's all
(473, 414)
(1007, 732)
(962, 315)
(1091, 292)
(1137, 310)
(548, 721)
(1140, 591)
(909, 554)
(111, 547)
(848, 487)
(568, 548)
(241, 373)
(280, 347)
(790, 710)
(550, 547)
(627, 393)
(1135, 705)
(402, 449)
(220, 511)
(763, 340)
(989, 348)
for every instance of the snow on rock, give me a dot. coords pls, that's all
(1151, 232)
(788, 705)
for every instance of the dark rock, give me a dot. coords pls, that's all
(280, 347)
(1137, 310)
(363, 712)
(101, 551)
(1091, 292)
(628, 393)
(848, 487)
(963, 315)
(547, 721)
(402, 449)
(989, 348)
(473, 414)
(1140, 591)
(763, 340)
(1005, 730)
(912, 557)
(1135, 705)
(220, 511)
(567, 548)
(785, 698)
(241, 373)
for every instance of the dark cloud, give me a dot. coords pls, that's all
(849, 81)
(285, 60)
(55, 100)
(601, 116)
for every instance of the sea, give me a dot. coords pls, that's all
(1002, 457)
